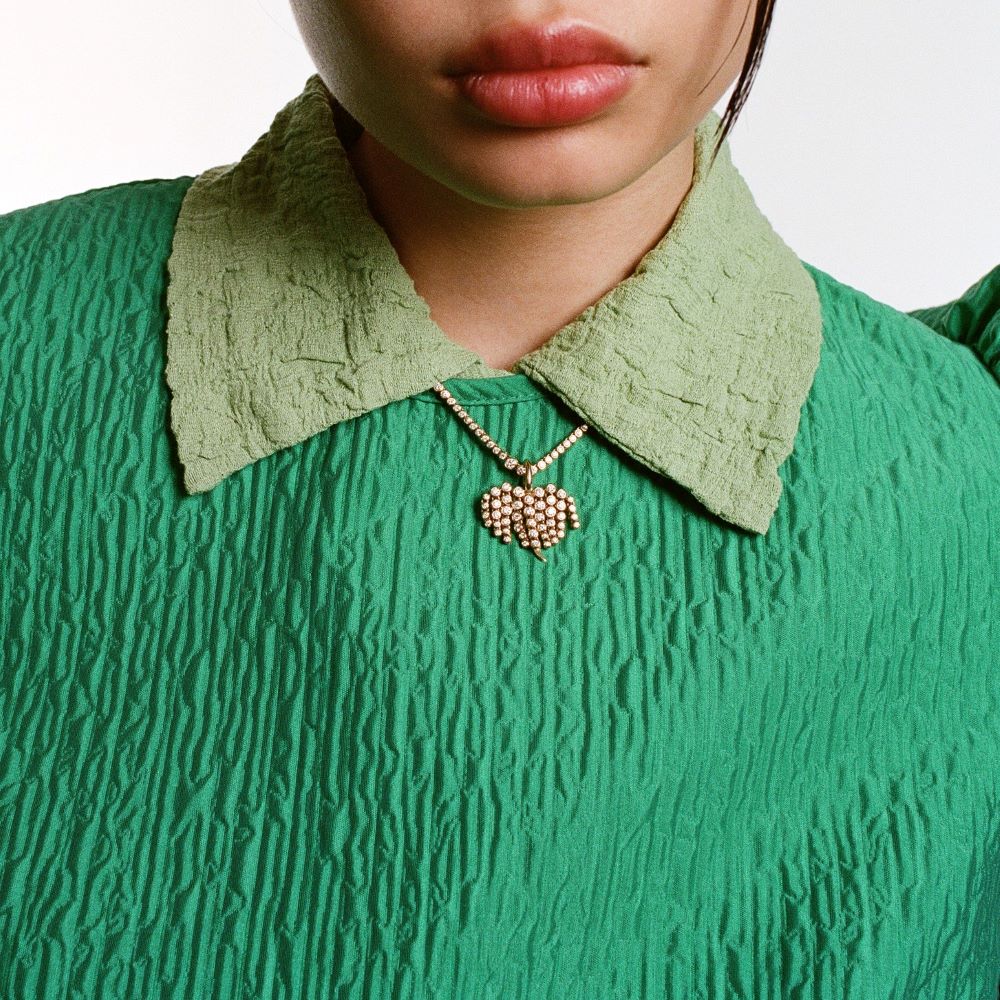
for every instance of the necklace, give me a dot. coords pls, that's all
(537, 515)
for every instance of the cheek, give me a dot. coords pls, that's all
(394, 30)
(327, 29)
(704, 43)
(361, 46)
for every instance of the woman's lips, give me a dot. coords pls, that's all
(549, 96)
(546, 74)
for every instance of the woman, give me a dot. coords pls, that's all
(312, 689)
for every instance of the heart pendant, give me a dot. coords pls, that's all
(537, 515)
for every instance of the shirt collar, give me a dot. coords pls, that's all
(289, 311)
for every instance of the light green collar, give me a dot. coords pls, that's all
(289, 311)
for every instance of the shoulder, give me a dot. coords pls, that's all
(98, 230)
(917, 390)
(72, 269)
(936, 364)
(963, 334)
(90, 214)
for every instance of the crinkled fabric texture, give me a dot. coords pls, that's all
(317, 733)
(972, 319)
(289, 311)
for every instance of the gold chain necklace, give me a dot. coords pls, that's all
(537, 515)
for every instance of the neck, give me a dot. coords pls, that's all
(502, 281)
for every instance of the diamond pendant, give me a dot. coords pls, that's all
(536, 515)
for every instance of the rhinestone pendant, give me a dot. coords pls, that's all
(536, 515)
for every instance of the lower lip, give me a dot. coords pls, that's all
(551, 96)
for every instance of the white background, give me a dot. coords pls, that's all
(871, 138)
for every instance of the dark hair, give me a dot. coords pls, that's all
(761, 24)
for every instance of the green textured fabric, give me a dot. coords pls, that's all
(315, 733)
(291, 311)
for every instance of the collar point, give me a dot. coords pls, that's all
(201, 476)
(751, 509)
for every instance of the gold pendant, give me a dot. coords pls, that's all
(537, 515)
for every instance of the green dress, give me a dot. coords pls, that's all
(281, 717)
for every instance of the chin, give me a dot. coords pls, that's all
(514, 180)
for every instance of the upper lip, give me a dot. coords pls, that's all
(528, 46)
